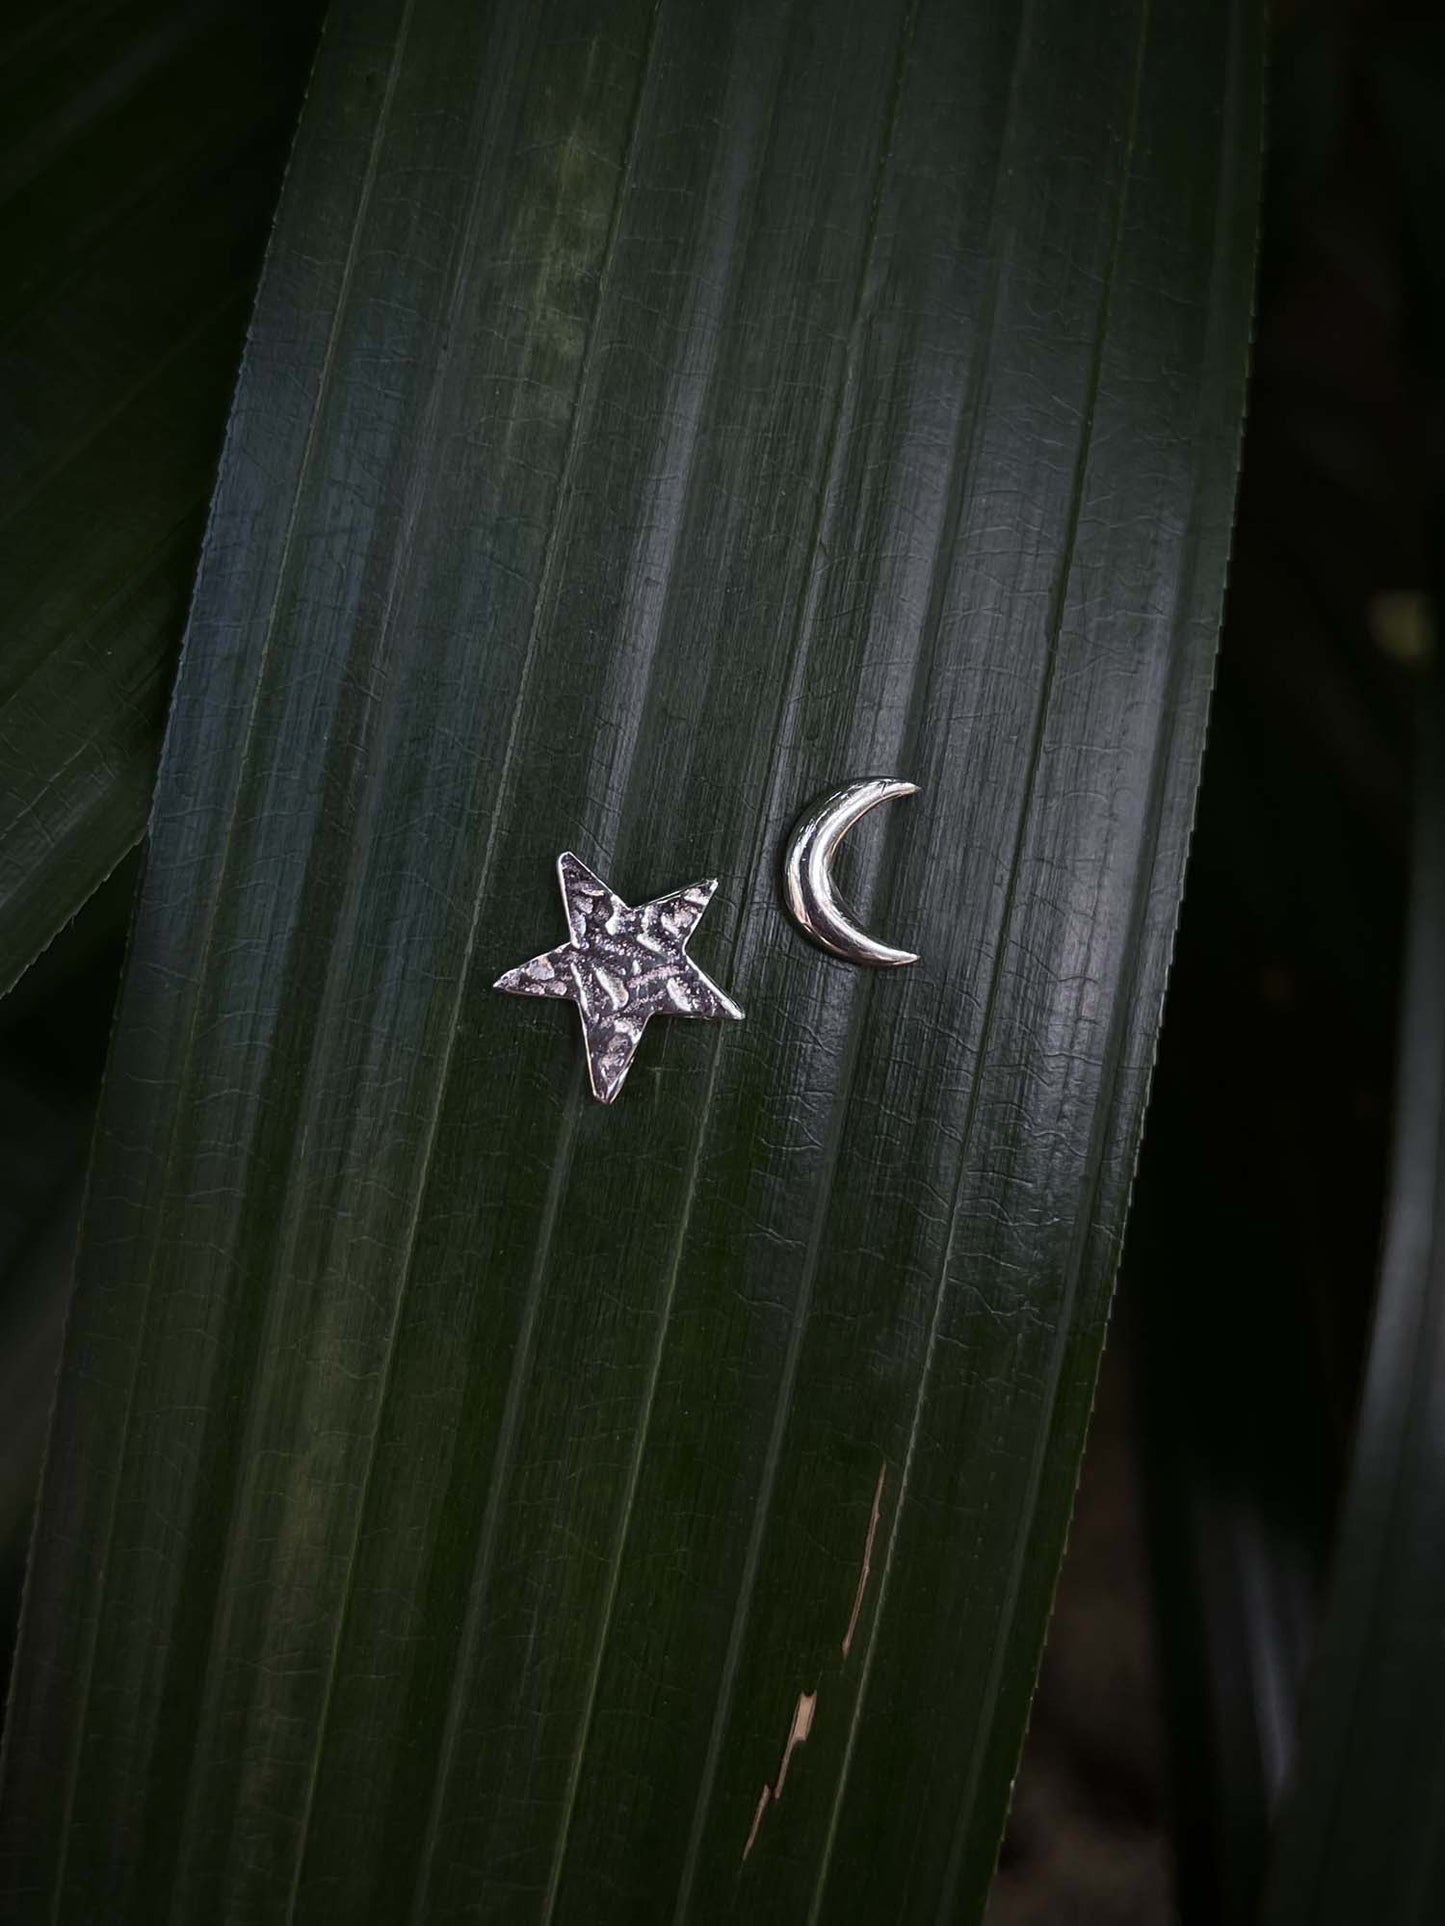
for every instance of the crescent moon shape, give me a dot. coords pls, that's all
(808, 878)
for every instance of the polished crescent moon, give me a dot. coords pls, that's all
(808, 878)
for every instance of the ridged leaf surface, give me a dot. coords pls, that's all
(467, 1500)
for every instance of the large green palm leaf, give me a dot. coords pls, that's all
(465, 1499)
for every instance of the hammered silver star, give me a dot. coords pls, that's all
(621, 967)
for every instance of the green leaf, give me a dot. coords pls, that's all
(53, 1031)
(466, 1498)
(1271, 1151)
(1360, 1832)
(131, 226)
(44, 1155)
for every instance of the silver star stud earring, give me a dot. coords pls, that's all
(621, 967)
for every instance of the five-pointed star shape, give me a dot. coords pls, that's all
(621, 967)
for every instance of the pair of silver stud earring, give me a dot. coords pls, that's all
(623, 966)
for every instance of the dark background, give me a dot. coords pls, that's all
(1164, 1724)
(1163, 1729)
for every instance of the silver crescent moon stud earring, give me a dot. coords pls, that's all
(808, 879)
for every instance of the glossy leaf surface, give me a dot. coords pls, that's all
(139, 165)
(467, 1499)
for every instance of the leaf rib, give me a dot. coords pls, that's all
(1123, 1009)
(416, 496)
(802, 636)
(531, 655)
(641, 1434)
(208, 935)
(958, 463)
(483, 1561)
(990, 1013)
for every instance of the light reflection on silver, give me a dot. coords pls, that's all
(808, 880)
(621, 967)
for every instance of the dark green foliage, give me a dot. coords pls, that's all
(140, 155)
(1363, 1829)
(459, 1491)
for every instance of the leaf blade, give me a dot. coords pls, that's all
(1361, 1817)
(133, 228)
(493, 1397)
